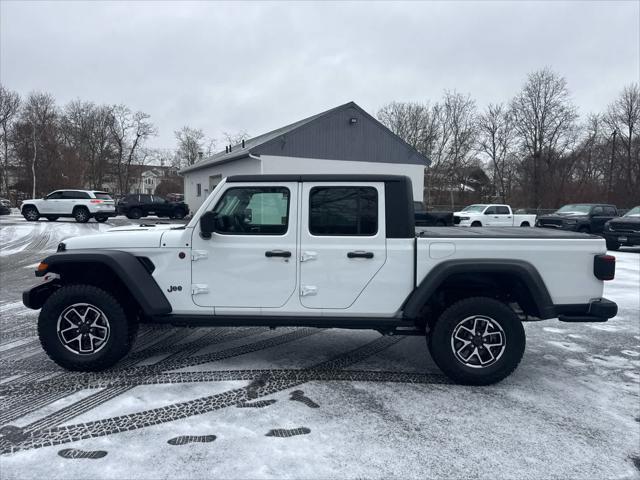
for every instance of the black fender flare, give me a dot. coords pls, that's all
(523, 270)
(126, 266)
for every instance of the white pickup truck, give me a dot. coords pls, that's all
(492, 215)
(327, 251)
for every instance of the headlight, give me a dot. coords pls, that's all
(570, 222)
(465, 218)
(607, 226)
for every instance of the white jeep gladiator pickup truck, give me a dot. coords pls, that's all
(329, 251)
(492, 215)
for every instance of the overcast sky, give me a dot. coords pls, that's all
(258, 66)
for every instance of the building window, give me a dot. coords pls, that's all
(253, 211)
(199, 190)
(346, 211)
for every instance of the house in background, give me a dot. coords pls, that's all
(343, 140)
(147, 178)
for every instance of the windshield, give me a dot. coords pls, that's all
(634, 212)
(102, 195)
(575, 209)
(474, 208)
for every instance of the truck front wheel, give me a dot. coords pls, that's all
(477, 341)
(84, 328)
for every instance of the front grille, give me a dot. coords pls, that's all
(547, 222)
(625, 227)
(456, 219)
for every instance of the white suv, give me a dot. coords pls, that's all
(79, 204)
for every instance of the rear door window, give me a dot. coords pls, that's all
(348, 211)
(610, 211)
(145, 198)
(74, 195)
(502, 210)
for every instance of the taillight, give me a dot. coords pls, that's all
(604, 267)
(97, 201)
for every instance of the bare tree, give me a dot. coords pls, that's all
(418, 124)
(9, 108)
(545, 121)
(190, 145)
(234, 139)
(129, 131)
(86, 129)
(40, 114)
(497, 143)
(623, 119)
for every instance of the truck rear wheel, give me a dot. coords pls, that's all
(477, 341)
(84, 328)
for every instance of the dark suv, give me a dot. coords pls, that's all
(623, 230)
(137, 205)
(579, 217)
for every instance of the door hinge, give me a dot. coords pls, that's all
(197, 288)
(198, 254)
(307, 290)
(308, 255)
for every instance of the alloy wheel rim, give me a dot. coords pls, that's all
(83, 329)
(478, 341)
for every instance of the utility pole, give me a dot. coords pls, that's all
(613, 151)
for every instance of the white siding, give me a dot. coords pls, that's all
(294, 165)
(245, 166)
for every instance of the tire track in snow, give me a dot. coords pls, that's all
(198, 406)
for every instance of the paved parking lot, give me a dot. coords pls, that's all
(259, 403)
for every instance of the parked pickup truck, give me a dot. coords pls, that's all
(492, 215)
(327, 251)
(431, 219)
(623, 231)
(579, 217)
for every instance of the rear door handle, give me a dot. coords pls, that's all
(277, 253)
(360, 254)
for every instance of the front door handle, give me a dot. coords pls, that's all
(360, 254)
(277, 253)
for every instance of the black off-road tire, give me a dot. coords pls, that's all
(52, 218)
(440, 342)
(476, 224)
(121, 334)
(525, 224)
(101, 219)
(612, 245)
(31, 213)
(134, 214)
(81, 214)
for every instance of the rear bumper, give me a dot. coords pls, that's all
(632, 238)
(104, 213)
(598, 310)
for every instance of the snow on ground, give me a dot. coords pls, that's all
(306, 403)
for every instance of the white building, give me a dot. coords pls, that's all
(343, 140)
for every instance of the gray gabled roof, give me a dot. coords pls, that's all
(252, 145)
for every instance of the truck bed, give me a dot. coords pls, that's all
(499, 232)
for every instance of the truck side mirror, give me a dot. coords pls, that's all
(208, 224)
